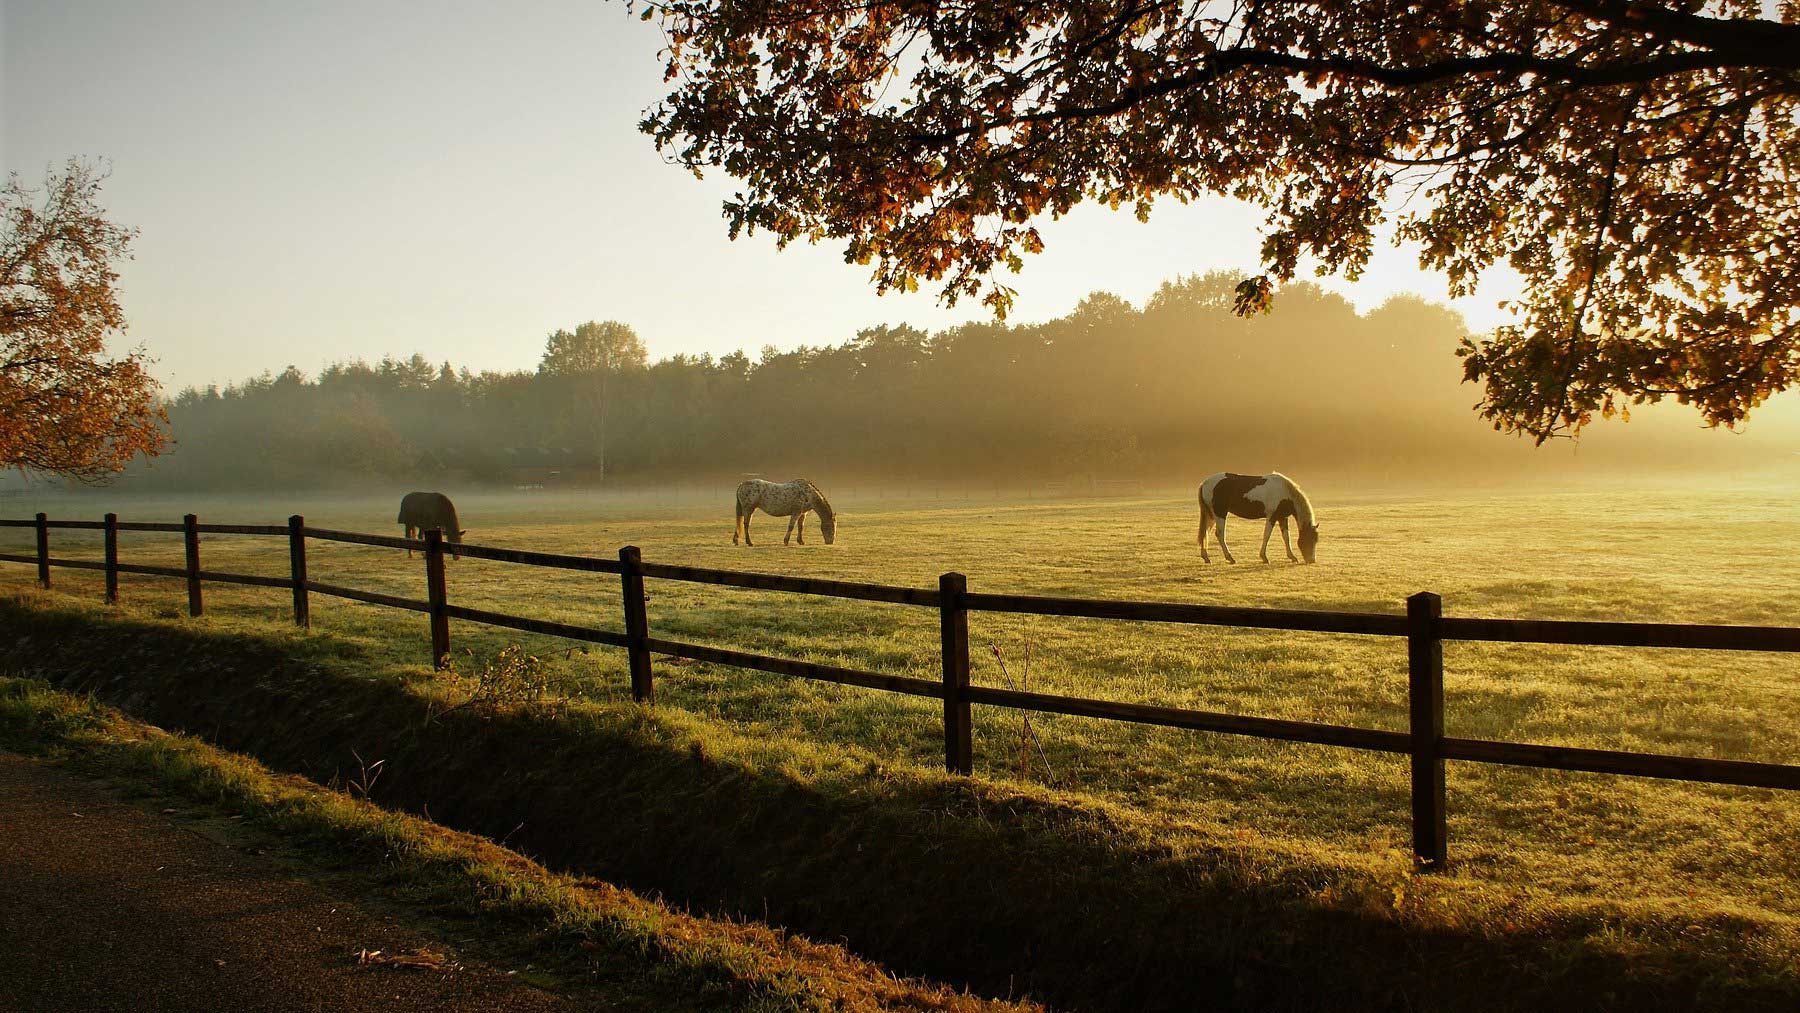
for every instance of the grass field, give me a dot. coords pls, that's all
(1520, 839)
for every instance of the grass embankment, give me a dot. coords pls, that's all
(1011, 888)
(582, 937)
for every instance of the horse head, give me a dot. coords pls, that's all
(1309, 540)
(828, 525)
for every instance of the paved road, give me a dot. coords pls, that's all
(105, 906)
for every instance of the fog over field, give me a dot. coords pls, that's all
(1162, 393)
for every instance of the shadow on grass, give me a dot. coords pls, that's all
(1007, 891)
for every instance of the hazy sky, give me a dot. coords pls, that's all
(318, 181)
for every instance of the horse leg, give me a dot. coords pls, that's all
(737, 523)
(1285, 543)
(790, 531)
(1219, 529)
(747, 515)
(409, 530)
(1205, 522)
(1268, 529)
(800, 527)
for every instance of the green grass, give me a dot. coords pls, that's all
(583, 937)
(1519, 838)
(1006, 886)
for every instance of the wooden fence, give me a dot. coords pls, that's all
(1424, 626)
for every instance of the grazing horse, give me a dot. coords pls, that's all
(784, 499)
(422, 511)
(1273, 498)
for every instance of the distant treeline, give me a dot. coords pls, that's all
(1178, 387)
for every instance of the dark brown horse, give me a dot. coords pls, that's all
(423, 511)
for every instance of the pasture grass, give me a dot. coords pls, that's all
(1520, 839)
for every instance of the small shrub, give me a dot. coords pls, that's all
(510, 678)
(1028, 738)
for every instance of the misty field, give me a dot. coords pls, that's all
(1519, 837)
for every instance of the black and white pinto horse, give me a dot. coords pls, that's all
(792, 500)
(1272, 498)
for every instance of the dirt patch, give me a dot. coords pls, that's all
(110, 907)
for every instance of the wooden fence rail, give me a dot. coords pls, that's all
(1423, 625)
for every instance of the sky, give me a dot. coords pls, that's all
(322, 181)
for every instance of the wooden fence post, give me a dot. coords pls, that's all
(43, 549)
(439, 594)
(112, 559)
(190, 534)
(953, 619)
(297, 570)
(637, 624)
(1425, 696)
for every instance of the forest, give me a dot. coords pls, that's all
(1175, 389)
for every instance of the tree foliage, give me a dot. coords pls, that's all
(64, 407)
(1178, 388)
(1637, 162)
(592, 347)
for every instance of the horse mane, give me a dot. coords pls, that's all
(820, 503)
(1303, 511)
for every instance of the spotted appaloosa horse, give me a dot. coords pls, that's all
(784, 499)
(1273, 498)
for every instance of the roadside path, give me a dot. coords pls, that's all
(104, 906)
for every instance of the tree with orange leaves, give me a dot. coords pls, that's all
(1637, 162)
(65, 408)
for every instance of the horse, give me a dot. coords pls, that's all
(424, 510)
(784, 499)
(1273, 498)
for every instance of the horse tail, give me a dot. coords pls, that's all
(1205, 517)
